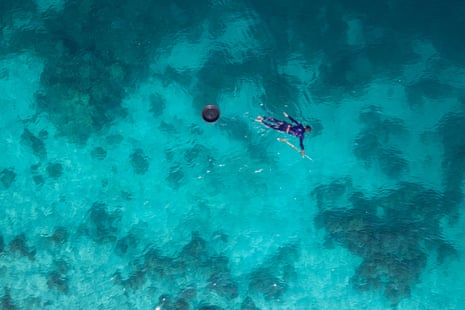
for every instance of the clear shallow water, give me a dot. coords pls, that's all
(115, 193)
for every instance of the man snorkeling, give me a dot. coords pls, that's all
(298, 130)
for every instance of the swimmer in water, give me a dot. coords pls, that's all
(295, 129)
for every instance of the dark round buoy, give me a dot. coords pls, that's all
(211, 113)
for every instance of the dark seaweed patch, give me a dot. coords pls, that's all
(37, 145)
(126, 245)
(391, 162)
(450, 128)
(248, 304)
(60, 235)
(18, 245)
(139, 161)
(7, 302)
(54, 170)
(428, 88)
(366, 146)
(210, 307)
(98, 153)
(157, 104)
(391, 243)
(114, 139)
(272, 278)
(175, 177)
(38, 180)
(57, 281)
(7, 177)
(89, 57)
(223, 285)
(372, 144)
(101, 225)
(262, 281)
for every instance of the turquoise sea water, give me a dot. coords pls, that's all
(115, 194)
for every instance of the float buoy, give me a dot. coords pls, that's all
(211, 113)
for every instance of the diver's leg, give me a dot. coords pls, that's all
(275, 124)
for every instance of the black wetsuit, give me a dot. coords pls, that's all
(297, 130)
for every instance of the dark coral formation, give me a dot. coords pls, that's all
(7, 302)
(38, 179)
(373, 144)
(450, 128)
(139, 161)
(262, 281)
(419, 92)
(18, 245)
(60, 235)
(157, 104)
(195, 251)
(57, 278)
(54, 170)
(197, 260)
(391, 162)
(248, 304)
(36, 174)
(278, 87)
(390, 232)
(223, 284)
(7, 177)
(89, 56)
(36, 145)
(126, 244)
(134, 281)
(210, 307)
(175, 176)
(386, 38)
(272, 278)
(92, 59)
(101, 224)
(192, 154)
(183, 301)
(98, 153)
(114, 139)
(57, 281)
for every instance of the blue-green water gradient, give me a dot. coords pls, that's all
(115, 194)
